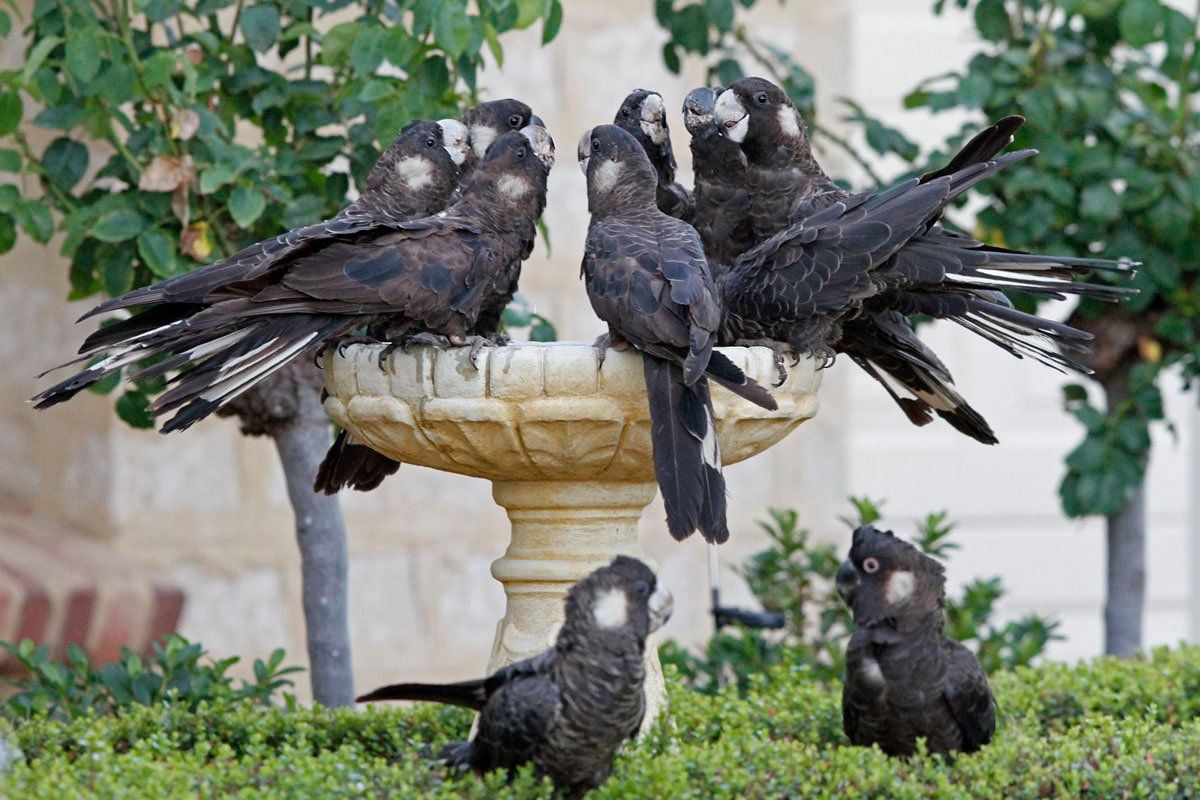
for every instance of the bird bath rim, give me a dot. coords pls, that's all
(540, 410)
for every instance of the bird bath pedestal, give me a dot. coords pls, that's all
(565, 445)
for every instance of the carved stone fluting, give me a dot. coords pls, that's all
(566, 446)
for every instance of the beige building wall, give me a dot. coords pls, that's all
(207, 507)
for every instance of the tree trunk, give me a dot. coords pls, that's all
(1124, 607)
(287, 408)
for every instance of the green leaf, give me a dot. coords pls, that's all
(116, 272)
(118, 225)
(992, 20)
(5, 23)
(1100, 203)
(451, 28)
(368, 50)
(399, 47)
(11, 112)
(690, 29)
(720, 13)
(670, 55)
(106, 384)
(10, 160)
(83, 55)
(37, 55)
(131, 407)
(158, 250)
(554, 19)
(260, 26)
(116, 85)
(542, 331)
(215, 177)
(375, 90)
(246, 205)
(35, 219)
(64, 162)
(1139, 21)
(1088, 456)
(1074, 393)
(8, 233)
(158, 69)
(728, 71)
(528, 12)
(9, 197)
(1134, 436)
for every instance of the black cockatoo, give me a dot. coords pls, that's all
(228, 326)
(644, 116)
(486, 122)
(905, 679)
(721, 194)
(568, 710)
(838, 272)
(648, 279)
(355, 465)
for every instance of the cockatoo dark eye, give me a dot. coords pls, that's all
(514, 121)
(625, 113)
(870, 565)
(761, 98)
(642, 589)
(520, 152)
(595, 146)
(430, 142)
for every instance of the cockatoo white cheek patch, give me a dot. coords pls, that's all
(415, 171)
(481, 139)
(899, 587)
(606, 175)
(610, 609)
(514, 186)
(789, 122)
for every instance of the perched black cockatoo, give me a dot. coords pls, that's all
(643, 115)
(568, 710)
(501, 294)
(648, 279)
(232, 326)
(487, 121)
(905, 679)
(828, 262)
(357, 466)
(722, 197)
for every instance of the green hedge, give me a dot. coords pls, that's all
(1101, 730)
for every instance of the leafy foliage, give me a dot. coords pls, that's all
(795, 575)
(1112, 728)
(214, 124)
(520, 316)
(179, 672)
(714, 31)
(1109, 92)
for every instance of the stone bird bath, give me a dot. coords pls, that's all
(566, 447)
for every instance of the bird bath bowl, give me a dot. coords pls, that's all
(565, 445)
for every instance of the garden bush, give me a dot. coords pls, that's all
(1100, 730)
(795, 574)
(177, 671)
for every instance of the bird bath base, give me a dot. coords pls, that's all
(566, 445)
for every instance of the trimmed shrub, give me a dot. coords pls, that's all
(1100, 730)
(178, 671)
